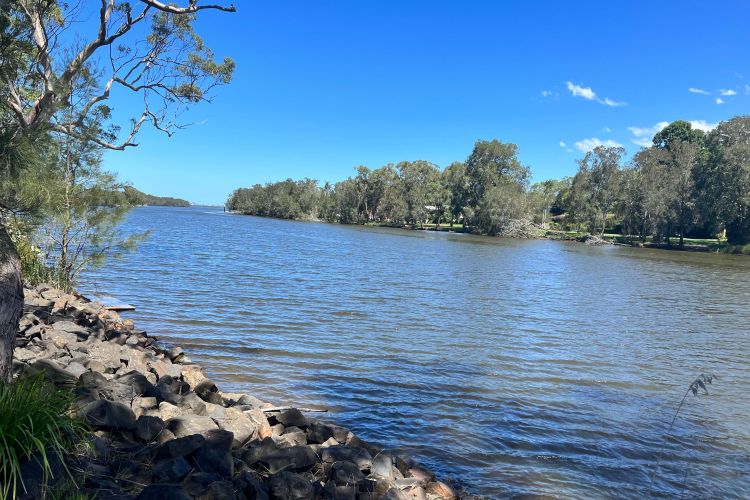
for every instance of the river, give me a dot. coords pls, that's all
(516, 368)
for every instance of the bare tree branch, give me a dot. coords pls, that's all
(193, 7)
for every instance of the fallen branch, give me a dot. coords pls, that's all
(284, 408)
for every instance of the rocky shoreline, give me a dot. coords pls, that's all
(161, 429)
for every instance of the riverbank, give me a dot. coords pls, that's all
(690, 244)
(160, 428)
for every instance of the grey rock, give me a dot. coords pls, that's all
(180, 447)
(288, 486)
(171, 470)
(294, 458)
(208, 391)
(104, 414)
(382, 466)
(394, 494)
(215, 453)
(147, 428)
(292, 417)
(187, 424)
(359, 456)
(318, 432)
(52, 371)
(76, 369)
(251, 485)
(219, 490)
(345, 473)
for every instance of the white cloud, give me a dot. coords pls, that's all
(587, 145)
(546, 93)
(747, 89)
(698, 91)
(562, 144)
(643, 136)
(727, 92)
(578, 91)
(609, 102)
(589, 94)
(703, 125)
(606, 130)
(565, 147)
(719, 100)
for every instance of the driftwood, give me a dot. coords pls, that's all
(284, 408)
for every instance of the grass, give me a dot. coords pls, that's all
(35, 421)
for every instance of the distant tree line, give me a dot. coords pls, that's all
(135, 197)
(688, 184)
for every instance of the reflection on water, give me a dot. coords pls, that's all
(516, 367)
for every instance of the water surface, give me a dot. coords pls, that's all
(517, 368)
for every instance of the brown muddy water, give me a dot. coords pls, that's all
(517, 368)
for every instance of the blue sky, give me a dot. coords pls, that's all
(322, 87)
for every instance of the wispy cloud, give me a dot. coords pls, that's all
(546, 93)
(719, 100)
(727, 92)
(703, 125)
(747, 89)
(695, 90)
(589, 94)
(606, 130)
(565, 147)
(586, 145)
(643, 136)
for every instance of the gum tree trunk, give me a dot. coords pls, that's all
(11, 302)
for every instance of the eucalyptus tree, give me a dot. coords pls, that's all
(598, 179)
(724, 182)
(455, 181)
(146, 48)
(417, 177)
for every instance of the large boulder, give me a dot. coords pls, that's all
(240, 425)
(110, 415)
(215, 455)
(147, 428)
(382, 467)
(180, 447)
(292, 418)
(339, 453)
(294, 458)
(345, 473)
(187, 424)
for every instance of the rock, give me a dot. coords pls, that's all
(422, 474)
(318, 432)
(147, 428)
(192, 402)
(172, 470)
(288, 486)
(131, 385)
(107, 354)
(442, 490)
(345, 473)
(294, 458)
(394, 494)
(239, 424)
(175, 354)
(263, 429)
(415, 493)
(382, 467)
(180, 447)
(219, 490)
(76, 369)
(215, 454)
(165, 411)
(187, 424)
(24, 355)
(329, 443)
(163, 492)
(52, 371)
(164, 368)
(341, 452)
(132, 341)
(407, 483)
(96, 366)
(292, 417)
(277, 430)
(103, 414)
(251, 485)
(208, 391)
(193, 374)
(198, 482)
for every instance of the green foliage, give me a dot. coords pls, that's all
(133, 197)
(35, 422)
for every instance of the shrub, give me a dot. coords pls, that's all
(35, 421)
